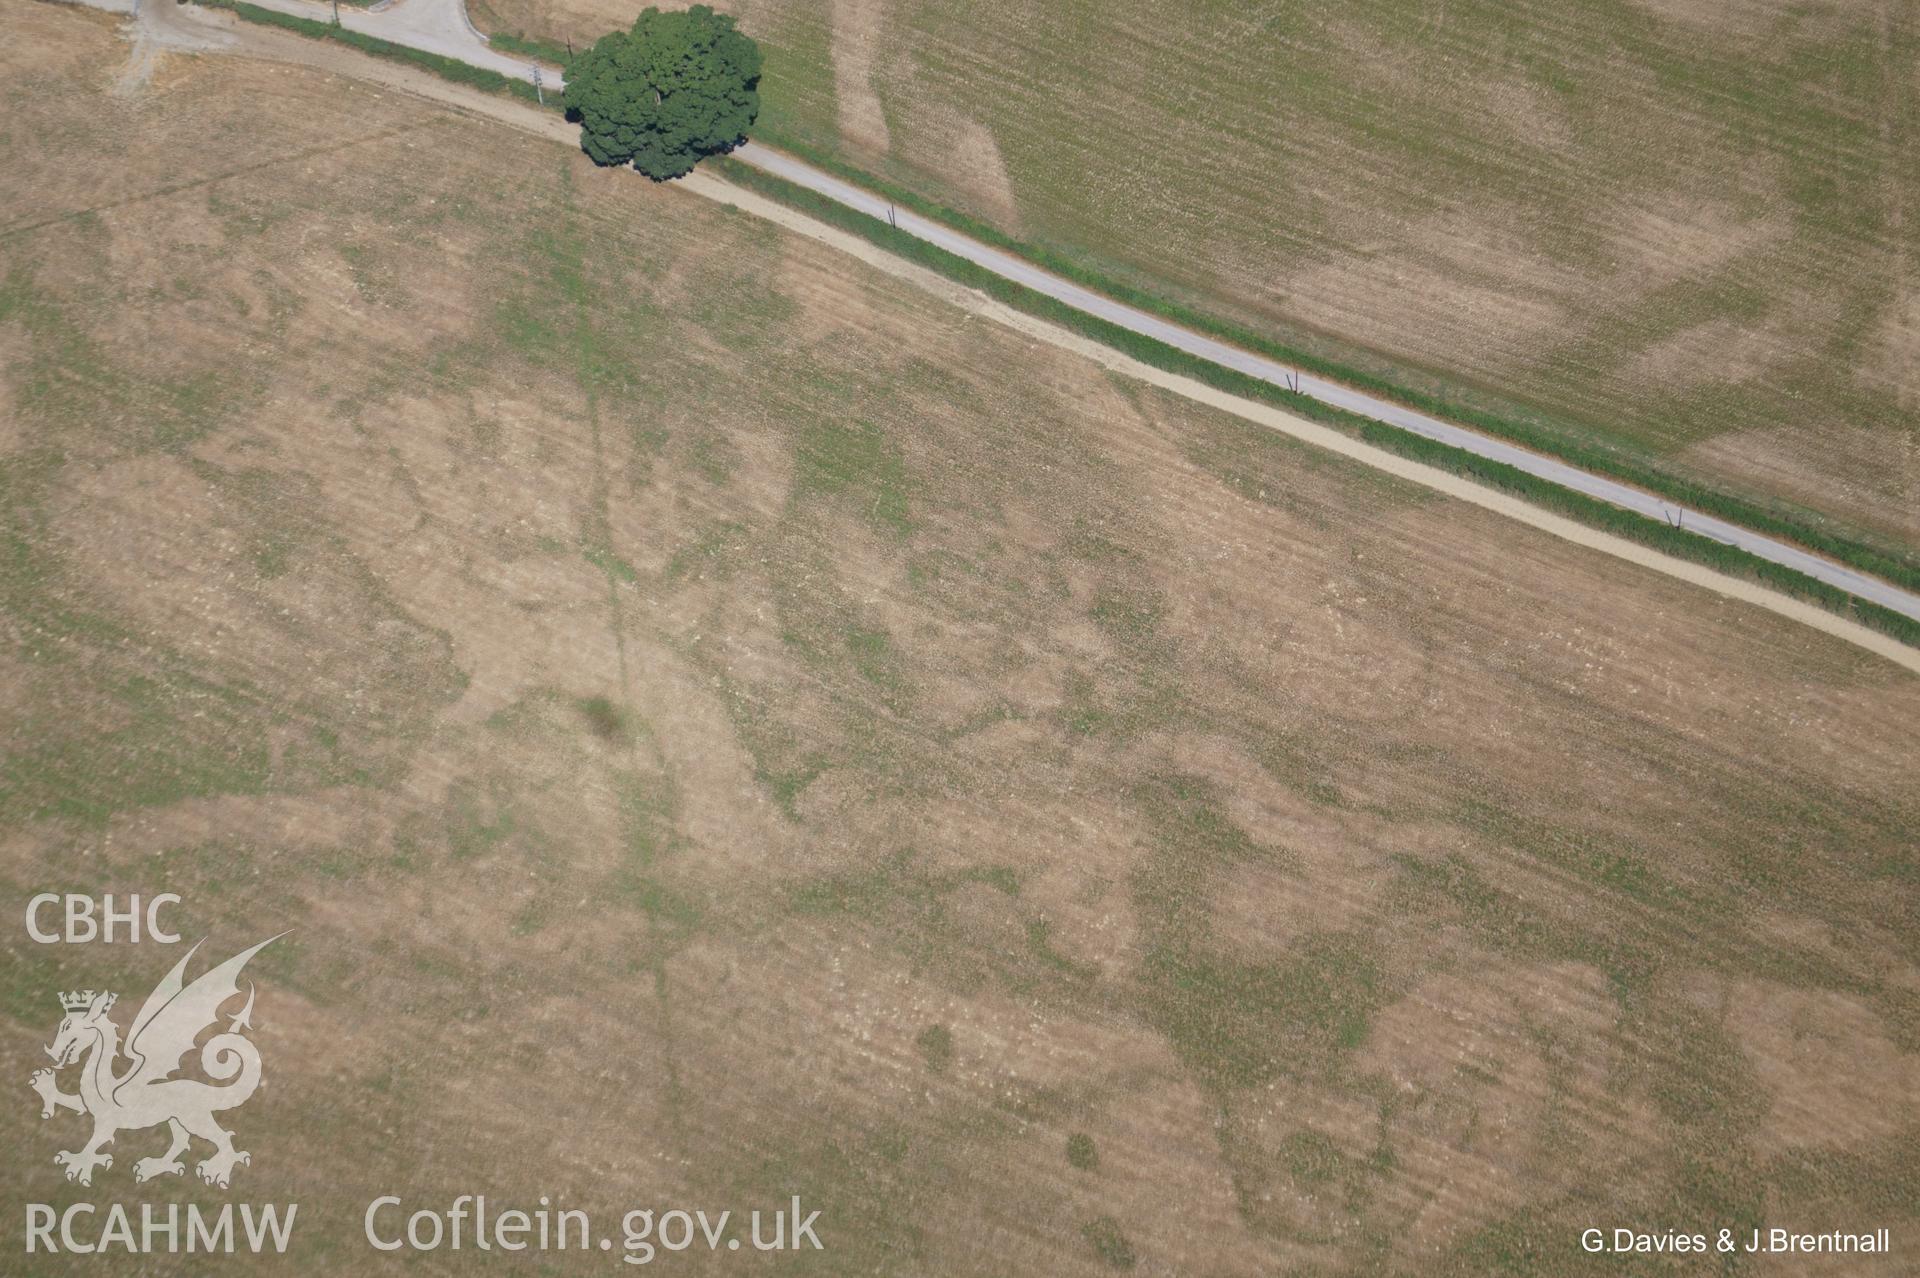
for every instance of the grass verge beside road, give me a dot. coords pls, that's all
(526, 47)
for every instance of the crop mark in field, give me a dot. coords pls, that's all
(856, 37)
(1520, 1055)
(161, 193)
(650, 812)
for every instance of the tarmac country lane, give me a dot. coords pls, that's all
(437, 26)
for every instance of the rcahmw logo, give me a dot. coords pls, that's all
(145, 1092)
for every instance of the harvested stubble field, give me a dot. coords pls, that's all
(724, 724)
(1680, 229)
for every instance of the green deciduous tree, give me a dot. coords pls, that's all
(677, 87)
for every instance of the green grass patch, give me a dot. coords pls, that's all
(1311, 1157)
(612, 565)
(1240, 1024)
(534, 47)
(863, 893)
(1109, 1243)
(936, 1048)
(1131, 618)
(605, 720)
(478, 819)
(855, 462)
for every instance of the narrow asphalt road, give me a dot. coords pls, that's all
(437, 26)
(441, 26)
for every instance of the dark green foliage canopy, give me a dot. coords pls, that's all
(678, 87)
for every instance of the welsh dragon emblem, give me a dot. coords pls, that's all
(145, 1092)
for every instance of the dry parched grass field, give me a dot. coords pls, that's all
(1684, 228)
(723, 724)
